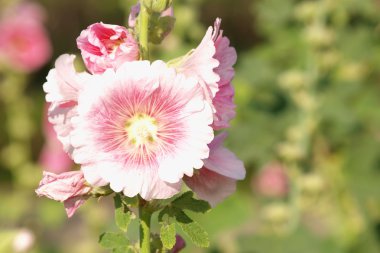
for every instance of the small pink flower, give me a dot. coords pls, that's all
(272, 181)
(105, 46)
(69, 188)
(217, 179)
(24, 44)
(212, 63)
(53, 158)
(140, 129)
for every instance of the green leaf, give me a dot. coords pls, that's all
(192, 229)
(121, 250)
(113, 240)
(160, 28)
(167, 235)
(123, 215)
(186, 201)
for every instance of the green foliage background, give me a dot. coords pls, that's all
(307, 92)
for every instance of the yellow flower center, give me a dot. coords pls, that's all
(142, 129)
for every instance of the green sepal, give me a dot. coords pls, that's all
(123, 215)
(167, 235)
(187, 202)
(192, 229)
(110, 240)
(160, 27)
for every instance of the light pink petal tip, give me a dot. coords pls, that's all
(217, 179)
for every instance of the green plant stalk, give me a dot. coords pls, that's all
(144, 32)
(144, 215)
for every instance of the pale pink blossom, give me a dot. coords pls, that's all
(212, 63)
(105, 46)
(140, 129)
(217, 179)
(52, 157)
(24, 44)
(135, 10)
(62, 87)
(69, 188)
(272, 181)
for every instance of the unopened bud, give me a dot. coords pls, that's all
(157, 6)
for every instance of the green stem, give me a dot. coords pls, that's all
(143, 32)
(145, 215)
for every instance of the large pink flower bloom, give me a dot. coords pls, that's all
(24, 44)
(106, 46)
(69, 188)
(217, 179)
(212, 63)
(140, 129)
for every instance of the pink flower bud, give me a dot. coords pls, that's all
(69, 188)
(106, 46)
(179, 245)
(272, 181)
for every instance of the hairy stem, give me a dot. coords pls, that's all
(145, 216)
(143, 32)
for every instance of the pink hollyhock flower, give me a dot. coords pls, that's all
(24, 44)
(212, 62)
(62, 87)
(53, 158)
(69, 188)
(217, 179)
(106, 46)
(272, 181)
(140, 129)
(135, 10)
(179, 245)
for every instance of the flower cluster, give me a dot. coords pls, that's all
(144, 127)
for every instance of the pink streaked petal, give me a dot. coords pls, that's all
(72, 204)
(201, 64)
(60, 117)
(223, 161)
(63, 82)
(224, 107)
(211, 186)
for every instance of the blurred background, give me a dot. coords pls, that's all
(307, 89)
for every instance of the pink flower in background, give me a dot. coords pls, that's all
(52, 157)
(69, 188)
(212, 63)
(24, 44)
(217, 179)
(106, 46)
(272, 181)
(140, 129)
